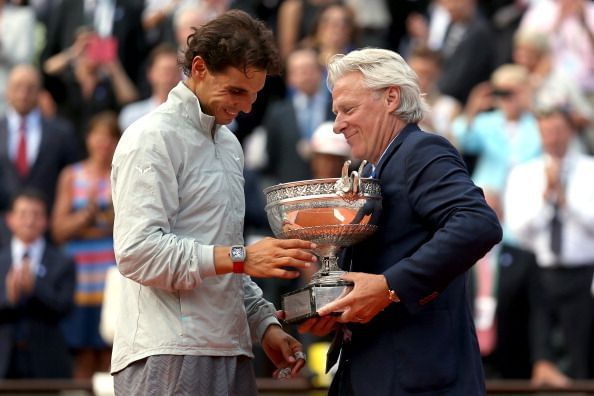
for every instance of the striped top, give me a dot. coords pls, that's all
(92, 249)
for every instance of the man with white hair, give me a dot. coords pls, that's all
(406, 327)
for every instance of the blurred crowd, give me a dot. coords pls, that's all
(509, 82)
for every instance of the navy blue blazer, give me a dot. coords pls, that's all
(435, 224)
(40, 315)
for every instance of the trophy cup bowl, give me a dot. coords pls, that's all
(333, 213)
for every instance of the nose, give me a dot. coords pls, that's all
(339, 125)
(246, 105)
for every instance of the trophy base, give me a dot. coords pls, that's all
(304, 303)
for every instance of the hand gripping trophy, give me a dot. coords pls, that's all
(333, 213)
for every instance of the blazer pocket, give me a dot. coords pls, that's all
(425, 352)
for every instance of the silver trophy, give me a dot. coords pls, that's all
(333, 213)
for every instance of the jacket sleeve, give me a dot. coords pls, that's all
(146, 203)
(463, 227)
(260, 312)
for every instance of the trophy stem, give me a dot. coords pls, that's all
(329, 272)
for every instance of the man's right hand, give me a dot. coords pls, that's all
(270, 258)
(276, 258)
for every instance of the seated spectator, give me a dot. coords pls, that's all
(83, 221)
(36, 290)
(163, 74)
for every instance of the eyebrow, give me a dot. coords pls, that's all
(236, 88)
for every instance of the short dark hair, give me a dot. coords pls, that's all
(234, 39)
(32, 194)
(159, 50)
(107, 118)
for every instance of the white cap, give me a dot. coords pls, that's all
(325, 141)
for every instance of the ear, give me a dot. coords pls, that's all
(392, 98)
(199, 68)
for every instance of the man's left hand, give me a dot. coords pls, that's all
(368, 297)
(285, 352)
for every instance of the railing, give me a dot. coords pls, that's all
(297, 386)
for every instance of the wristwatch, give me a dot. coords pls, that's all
(238, 255)
(392, 296)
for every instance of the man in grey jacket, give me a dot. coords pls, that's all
(189, 311)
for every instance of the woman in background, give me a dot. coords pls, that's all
(83, 222)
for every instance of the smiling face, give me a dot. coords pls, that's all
(27, 220)
(364, 116)
(223, 95)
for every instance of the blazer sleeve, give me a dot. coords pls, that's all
(462, 227)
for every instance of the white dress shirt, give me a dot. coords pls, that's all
(528, 214)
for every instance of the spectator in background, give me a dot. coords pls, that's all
(290, 122)
(17, 42)
(184, 21)
(551, 85)
(158, 17)
(163, 74)
(82, 221)
(503, 136)
(36, 289)
(373, 19)
(335, 32)
(329, 151)
(467, 50)
(94, 80)
(569, 25)
(34, 148)
(442, 108)
(549, 205)
(295, 21)
(115, 20)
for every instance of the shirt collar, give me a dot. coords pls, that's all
(33, 119)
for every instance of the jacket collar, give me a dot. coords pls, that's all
(393, 147)
(183, 96)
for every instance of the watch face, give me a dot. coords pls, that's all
(237, 253)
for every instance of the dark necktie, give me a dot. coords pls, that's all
(21, 163)
(556, 231)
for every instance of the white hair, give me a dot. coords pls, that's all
(382, 69)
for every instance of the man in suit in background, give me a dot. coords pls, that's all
(33, 149)
(406, 327)
(548, 204)
(290, 122)
(36, 291)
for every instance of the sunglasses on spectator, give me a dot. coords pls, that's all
(502, 93)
